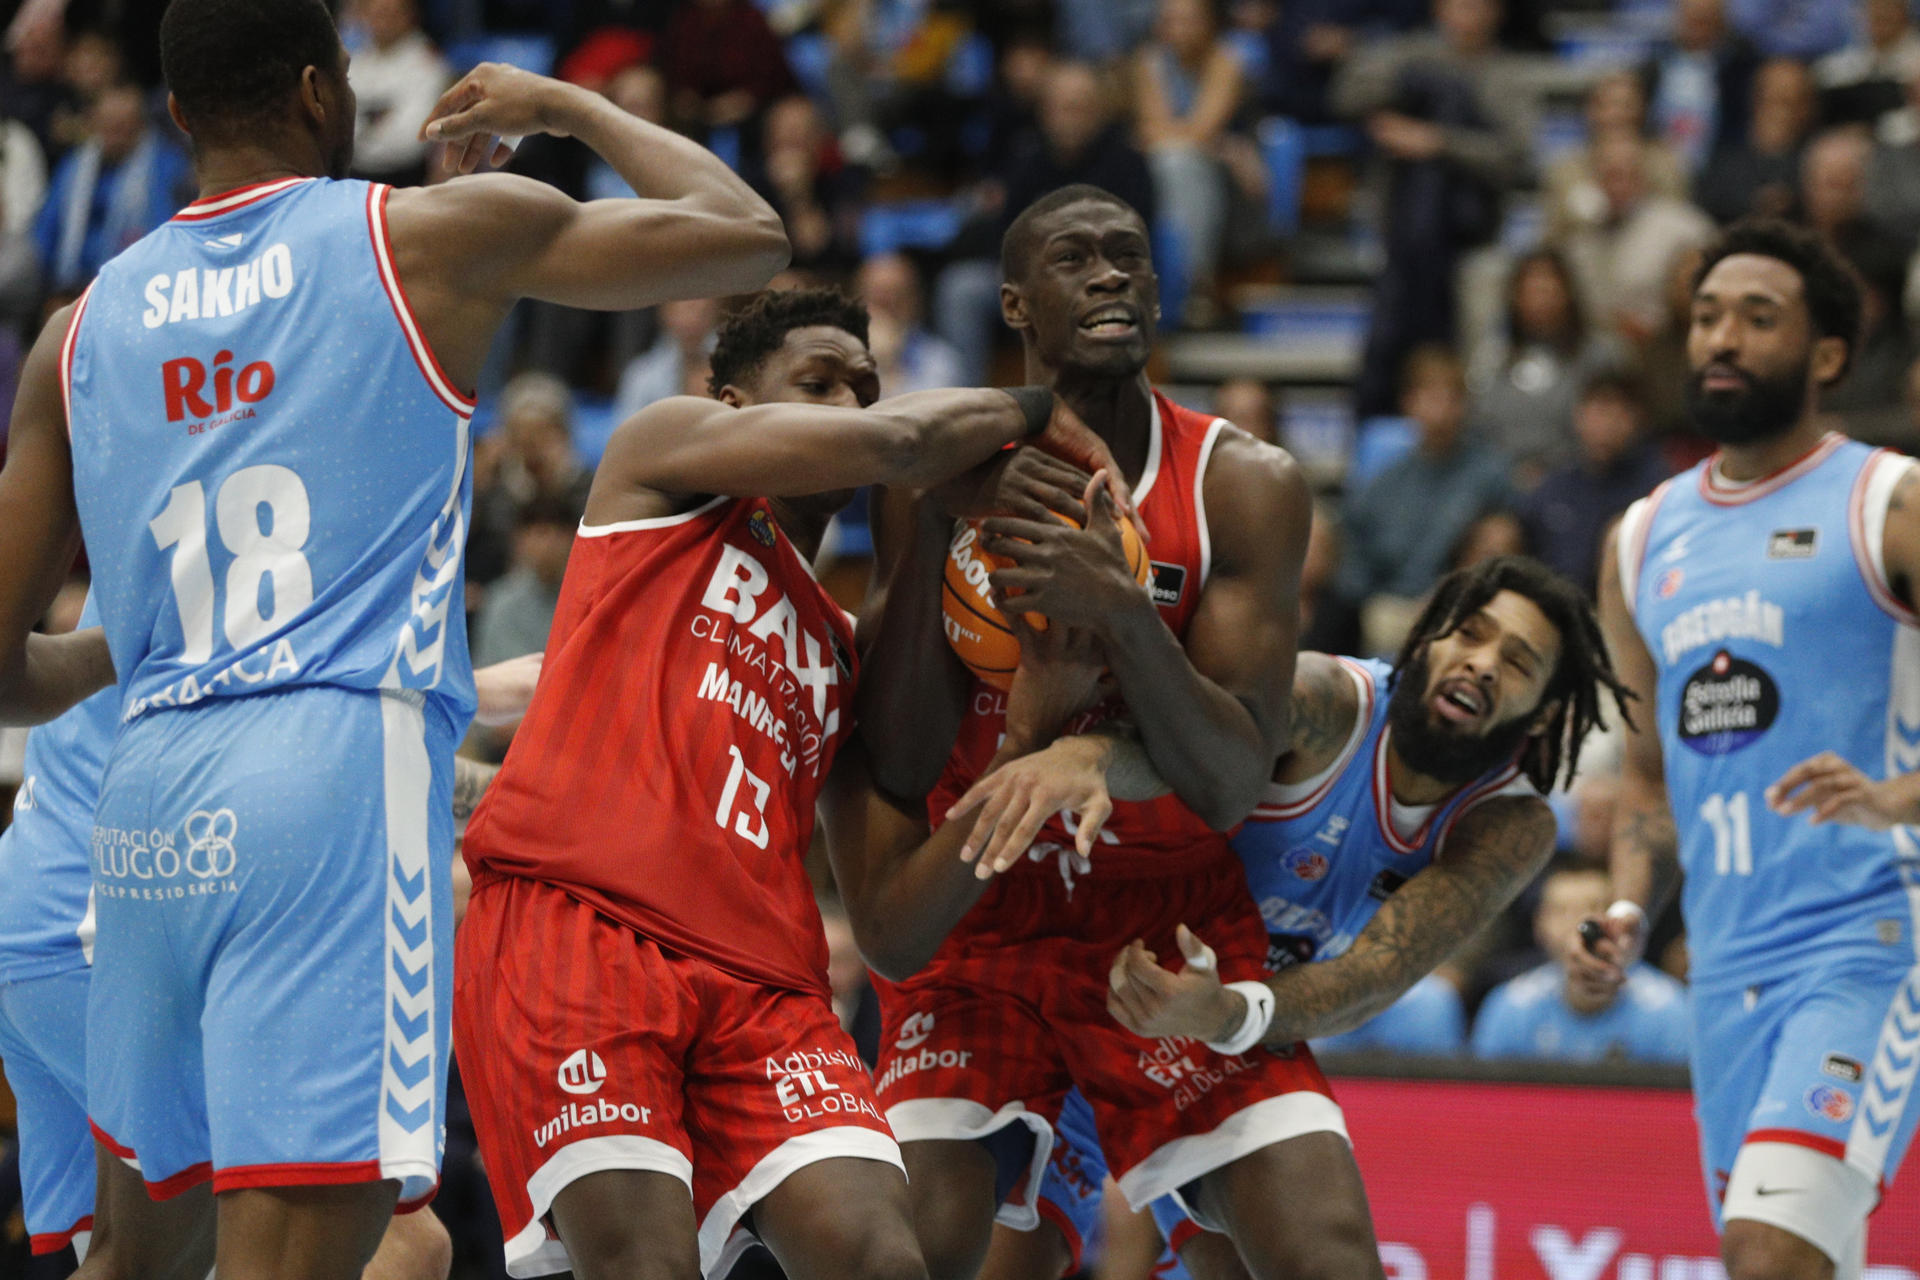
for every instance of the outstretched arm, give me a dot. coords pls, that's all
(41, 676)
(1212, 711)
(1490, 856)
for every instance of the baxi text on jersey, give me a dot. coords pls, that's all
(185, 384)
(1745, 617)
(208, 293)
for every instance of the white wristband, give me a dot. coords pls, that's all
(1253, 1028)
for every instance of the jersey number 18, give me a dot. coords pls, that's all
(258, 555)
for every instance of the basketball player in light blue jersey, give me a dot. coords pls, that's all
(257, 417)
(1762, 606)
(1404, 815)
(46, 950)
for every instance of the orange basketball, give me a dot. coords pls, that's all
(976, 629)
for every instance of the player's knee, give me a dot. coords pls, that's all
(1756, 1251)
(952, 1245)
(625, 1250)
(892, 1254)
(433, 1256)
(1337, 1243)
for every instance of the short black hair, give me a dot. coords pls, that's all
(1582, 671)
(758, 329)
(1016, 246)
(1831, 285)
(232, 63)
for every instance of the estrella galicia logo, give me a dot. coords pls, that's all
(1727, 704)
(1169, 583)
(1284, 950)
(760, 525)
(1307, 863)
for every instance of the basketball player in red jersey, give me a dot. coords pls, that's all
(998, 998)
(641, 1002)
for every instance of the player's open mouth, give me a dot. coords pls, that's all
(1111, 322)
(1460, 701)
(1723, 377)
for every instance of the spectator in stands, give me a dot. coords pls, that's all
(94, 64)
(34, 89)
(1700, 84)
(1759, 175)
(1250, 405)
(908, 356)
(723, 63)
(397, 76)
(676, 363)
(1801, 29)
(889, 67)
(1308, 41)
(23, 186)
(638, 90)
(1548, 1013)
(1428, 1019)
(1187, 85)
(1525, 382)
(803, 176)
(1616, 464)
(528, 456)
(1616, 104)
(1400, 527)
(1452, 115)
(1079, 140)
(1663, 363)
(519, 608)
(124, 181)
(1099, 31)
(1869, 77)
(1493, 533)
(1622, 257)
(1833, 201)
(1893, 169)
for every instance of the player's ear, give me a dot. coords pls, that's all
(312, 96)
(177, 116)
(1013, 307)
(730, 396)
(1829, 358)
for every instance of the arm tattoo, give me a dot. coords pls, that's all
(1490, 857)
(470, 779)
(1321, 717)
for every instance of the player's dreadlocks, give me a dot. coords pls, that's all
(757, 330)
(1583, 668)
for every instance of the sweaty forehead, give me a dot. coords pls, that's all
(1743, 275)
(824, 341)
(1095, 218)
(1521, 618)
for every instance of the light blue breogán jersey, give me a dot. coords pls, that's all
(1776, 637)
(271, 467)
(45, 854)
(1322, 855)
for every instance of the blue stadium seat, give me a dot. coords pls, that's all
(1170, 264)
(908, 224)
(808, 54)
(534, 53)
(1380, 443)
(593, 424)
(1283, 145)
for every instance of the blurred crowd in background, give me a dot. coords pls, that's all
(1439, 249)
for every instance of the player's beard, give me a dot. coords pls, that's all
(1432, 748)
(1764, 410)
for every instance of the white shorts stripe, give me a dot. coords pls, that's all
(1890, 1080)
(409, 1125)
(721, 1245)
(529, 1252)
(1290, 1115)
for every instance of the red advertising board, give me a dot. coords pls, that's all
(1493, 1181)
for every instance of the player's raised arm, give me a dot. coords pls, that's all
(1645, 855)
(41, 676)
(1490, 856)
(1213, 715)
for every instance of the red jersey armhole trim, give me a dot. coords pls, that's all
(55, 1241)
(1284, 812)
(423, 355)
(1872, 568)
(67, 345)
(1644, 534)
(1485, 791)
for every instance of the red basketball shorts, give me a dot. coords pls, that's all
(586, 1047)
(1013, 1012)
